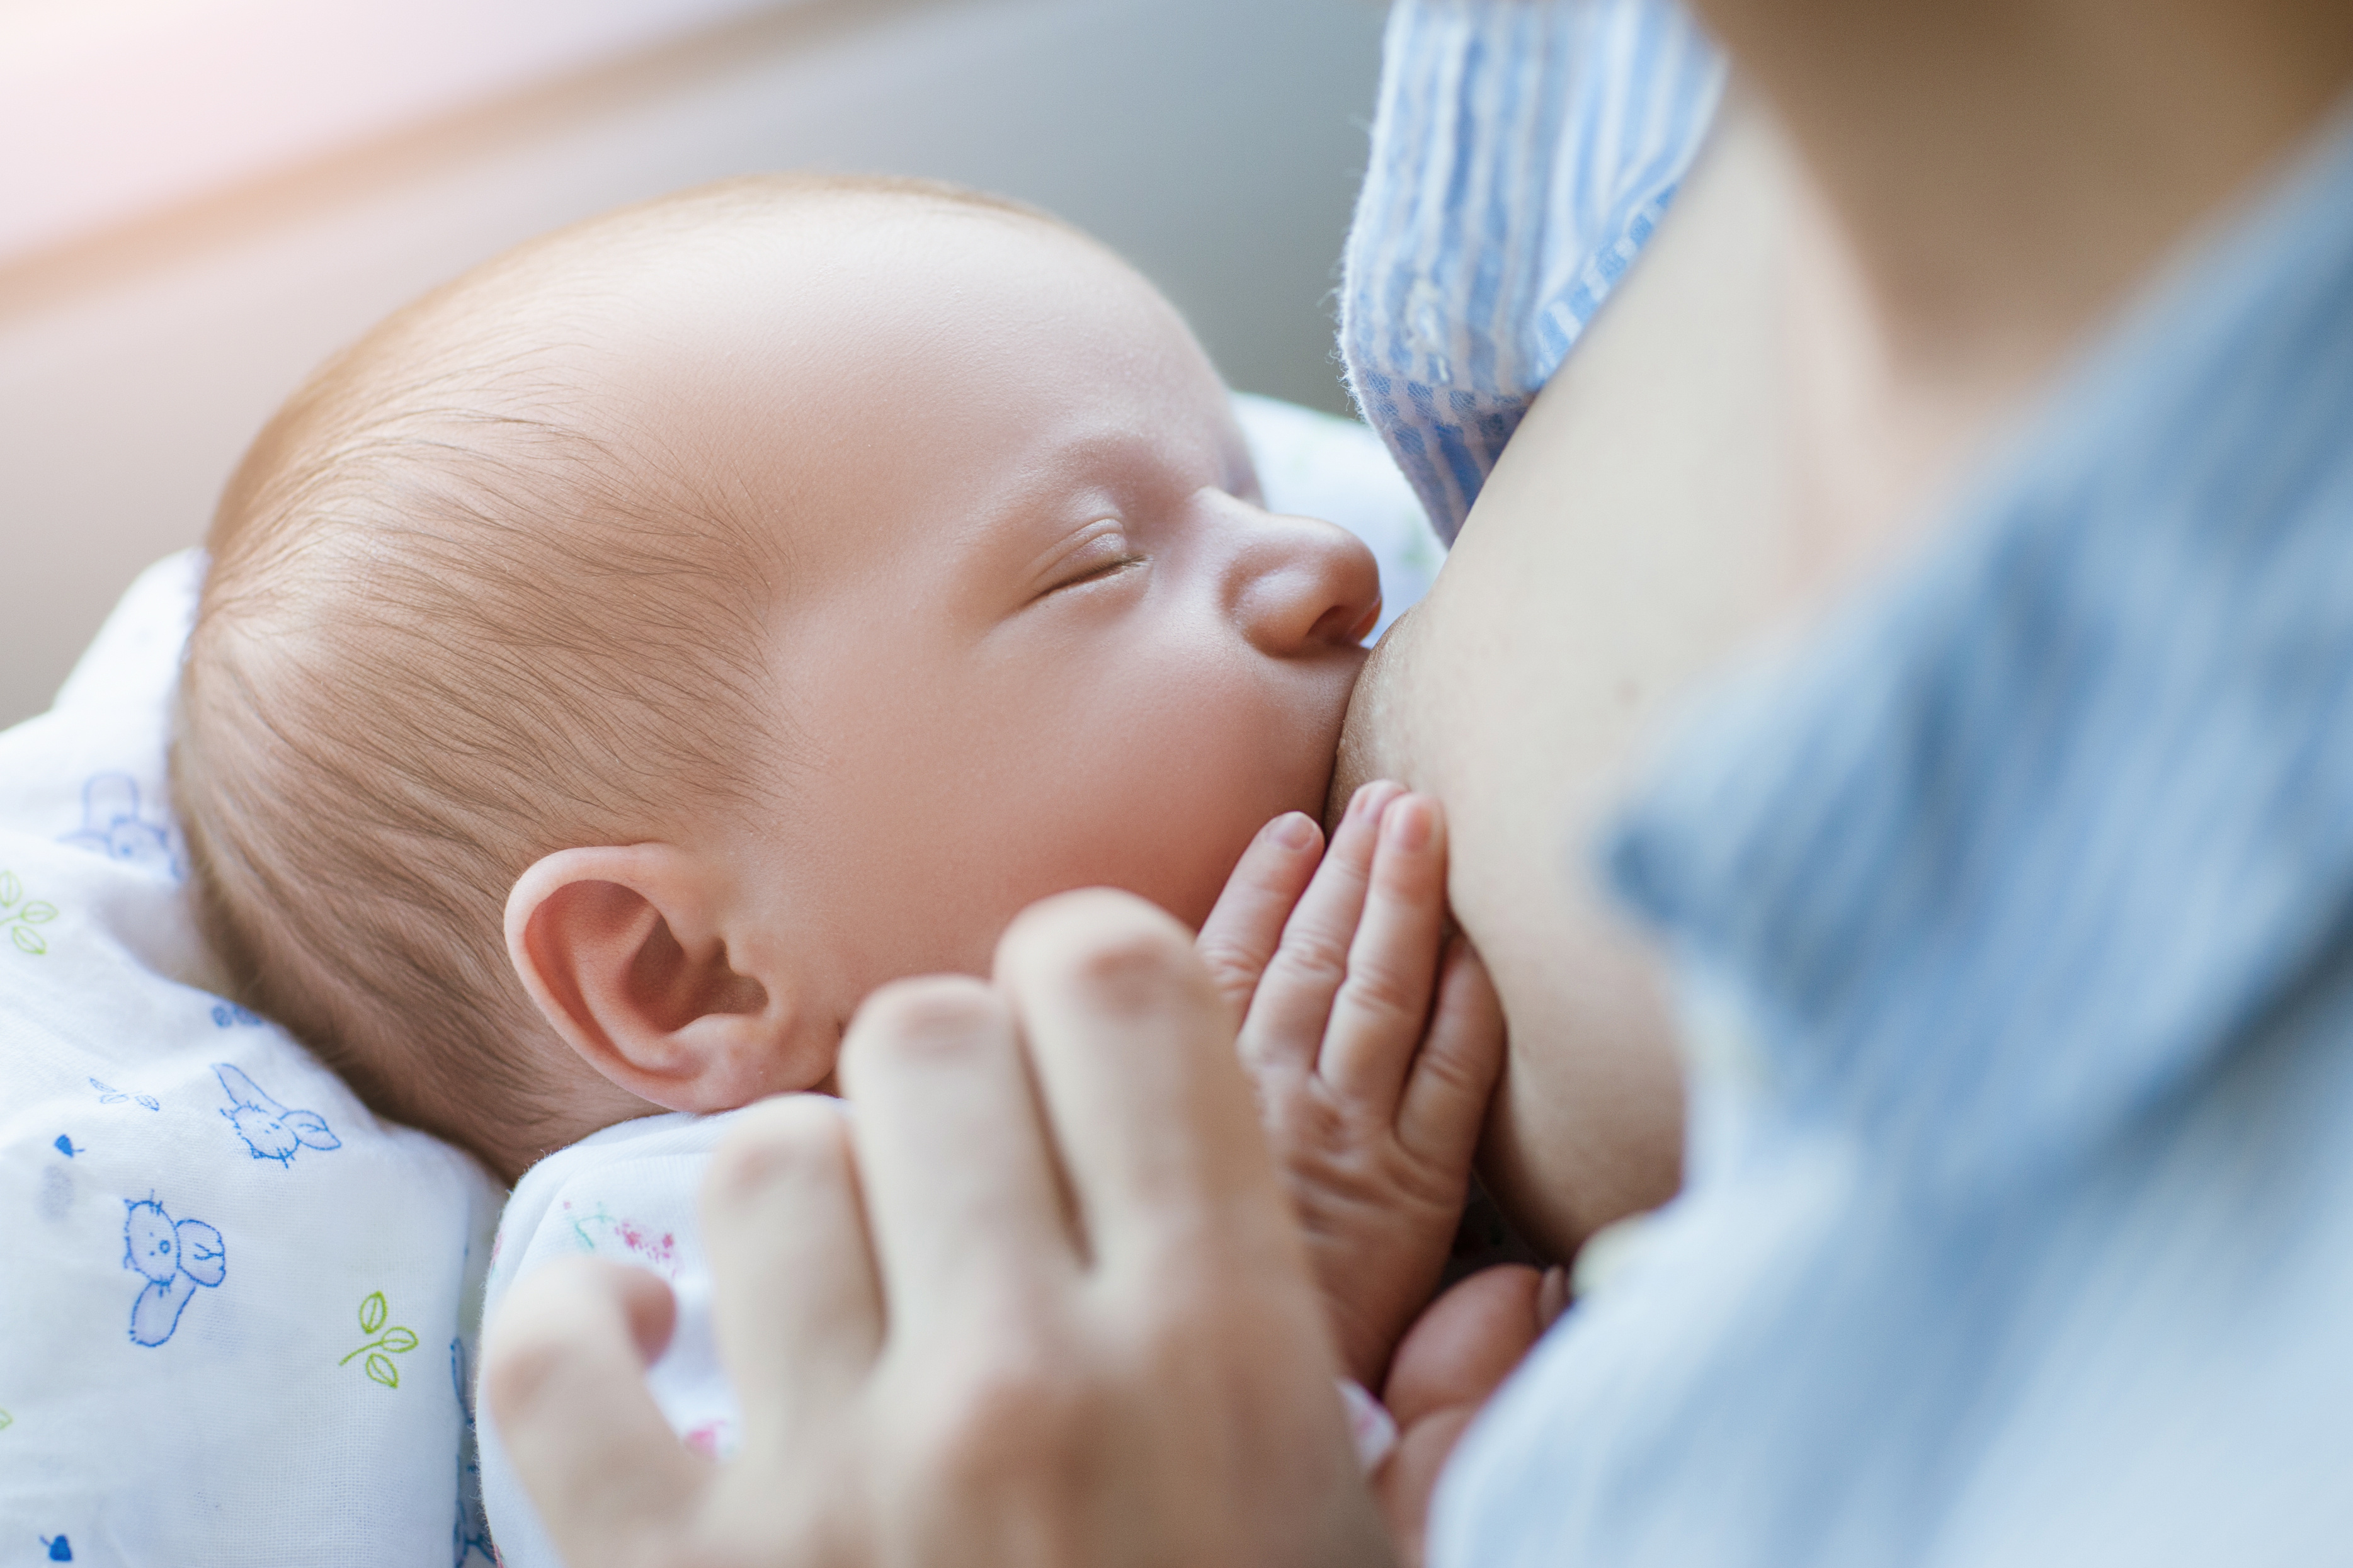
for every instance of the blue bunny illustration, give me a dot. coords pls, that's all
(110, 1095)
(268, 1128)
(176, 1258)
(111, 826)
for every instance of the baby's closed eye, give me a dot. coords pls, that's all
(1098, 570)
(1100, 549)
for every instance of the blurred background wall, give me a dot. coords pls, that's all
(195, 218)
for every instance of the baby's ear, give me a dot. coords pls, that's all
(624, 950)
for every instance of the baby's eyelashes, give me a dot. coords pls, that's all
(1108, 569)
(1101, 550)
(1096, 556)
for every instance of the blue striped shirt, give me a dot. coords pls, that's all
(1522, 155)
(2014, 918)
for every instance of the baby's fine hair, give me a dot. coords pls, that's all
(451, 623)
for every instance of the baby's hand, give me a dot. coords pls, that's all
(1453, 1360)
(1371, 1096)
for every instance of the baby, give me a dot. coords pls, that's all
(630, 655)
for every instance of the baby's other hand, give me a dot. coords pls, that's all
(1452, 1361)
(1373, 1043)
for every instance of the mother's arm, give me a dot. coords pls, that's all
(1628, 541)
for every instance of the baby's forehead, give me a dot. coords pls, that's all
(689, 304)
(798, 248)
(790, 367)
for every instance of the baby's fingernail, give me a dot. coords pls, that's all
(1293, 830)
(1370, 798)
(1407, 826)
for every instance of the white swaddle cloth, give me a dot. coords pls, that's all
(236, 1316)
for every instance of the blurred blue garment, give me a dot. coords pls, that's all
(1522, 155)
(2014, 915)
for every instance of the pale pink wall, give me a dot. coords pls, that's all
(1217, 141)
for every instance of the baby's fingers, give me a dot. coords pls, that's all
(1239, 936)
(1445, 1100)
(1294, 1003)
(1378, 1017)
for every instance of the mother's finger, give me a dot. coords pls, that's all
(1240, 935)
(563, 1372)
(1150, 1110)
(797, 1306)
(962, 1200)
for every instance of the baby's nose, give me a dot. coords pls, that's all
(1305, 585)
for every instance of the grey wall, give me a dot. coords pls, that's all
(1217, 142)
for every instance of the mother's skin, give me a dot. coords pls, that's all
(1766, 412)
(1631, 538)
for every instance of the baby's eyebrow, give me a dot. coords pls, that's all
(1127, 459)
(1105, 479)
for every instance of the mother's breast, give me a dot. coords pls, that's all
(1630, 541)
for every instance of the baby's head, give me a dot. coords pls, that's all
(629, 656)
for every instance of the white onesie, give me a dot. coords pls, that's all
(629, 1193)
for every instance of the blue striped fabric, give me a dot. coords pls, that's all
(1522, 155)
(2015, 912)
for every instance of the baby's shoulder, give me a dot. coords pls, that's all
(628, 1192)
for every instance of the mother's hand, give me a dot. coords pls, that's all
(1039, 1301)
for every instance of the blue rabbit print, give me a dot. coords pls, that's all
(110, 1095)
(176, 1260)
(111, 826)
(268, 1128)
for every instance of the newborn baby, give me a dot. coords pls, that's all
(630, 655)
